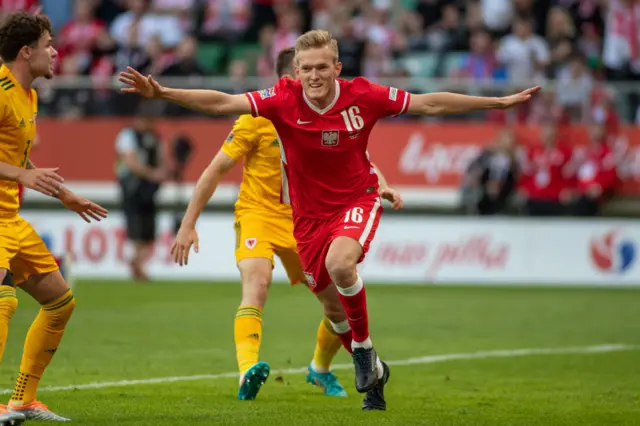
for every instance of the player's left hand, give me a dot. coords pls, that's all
(85, 208)
(187, 237)
(518, 98)
(393, 197)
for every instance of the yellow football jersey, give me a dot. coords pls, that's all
(18, 109)
(256, 140)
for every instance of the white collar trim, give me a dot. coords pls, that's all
(328, 107)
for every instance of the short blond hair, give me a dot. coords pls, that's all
(316, 39)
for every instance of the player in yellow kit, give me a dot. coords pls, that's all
(27, 52)
(264, 228)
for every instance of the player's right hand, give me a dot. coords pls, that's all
(144, 86)
(45, 181)
(181, 247)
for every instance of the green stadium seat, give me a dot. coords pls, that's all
(421, 64)
(210, 55)
(247, 51)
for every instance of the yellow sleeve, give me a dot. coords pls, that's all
(34, 96)
(242, 138)
(4, 109)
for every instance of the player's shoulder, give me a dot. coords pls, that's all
(360, 87)
(249, 122)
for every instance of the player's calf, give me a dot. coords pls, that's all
(256, 279)
(8, 306)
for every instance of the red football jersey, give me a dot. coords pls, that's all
(546, 172)
(598, 167)
(324, 152)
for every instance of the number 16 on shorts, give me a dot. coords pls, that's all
(360, 222)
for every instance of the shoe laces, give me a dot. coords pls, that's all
(363, 357)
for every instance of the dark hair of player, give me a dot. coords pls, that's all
(21, 29)
(284, 63)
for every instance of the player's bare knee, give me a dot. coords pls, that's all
(341, 261)
(255, 288)
(341, 271)
(45, 287)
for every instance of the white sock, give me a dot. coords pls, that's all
(353, 290)
(380, 368)
(317, 369)
(366, 344)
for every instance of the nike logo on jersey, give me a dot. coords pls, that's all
(351, 227)
(303, 122)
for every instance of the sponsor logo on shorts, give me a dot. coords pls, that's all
(250, 242)
(330, 138)
(393, 94)
(229, 138)
(267, 93)
(310, 280)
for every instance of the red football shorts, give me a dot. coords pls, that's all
(314, 236)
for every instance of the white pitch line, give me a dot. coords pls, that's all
(429, 359)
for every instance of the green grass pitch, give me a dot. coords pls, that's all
(125, 331)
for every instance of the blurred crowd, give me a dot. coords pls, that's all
(546, 174)
(578, 43)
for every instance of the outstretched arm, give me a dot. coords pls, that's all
(444, 103)
(206, 186)
(206, 101)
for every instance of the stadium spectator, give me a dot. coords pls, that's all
(265, 62)
(287, 31)
(81, 36)
(546, 174)
(560, 34)
(238, 73)
(223, 20)
(574, 86)
(621, 50)
(525, 54)
(184, 63)
(480, 64)
(141, 171)
(596, 177)
(139, 25)
(352, 51)
(490, 180)
(449, 34)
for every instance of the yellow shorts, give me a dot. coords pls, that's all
(263, 236)
(22, 251)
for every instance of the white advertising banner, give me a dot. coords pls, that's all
(406, 250)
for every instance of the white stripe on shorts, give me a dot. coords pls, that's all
(369, 225)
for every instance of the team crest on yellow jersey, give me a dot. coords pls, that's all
(250, 242)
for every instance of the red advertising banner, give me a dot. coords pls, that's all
(410, 153)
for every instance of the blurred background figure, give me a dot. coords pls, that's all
(546, 173)
(141, 171)
(491, 179)
(596, 175)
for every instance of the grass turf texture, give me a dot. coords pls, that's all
(124, 331)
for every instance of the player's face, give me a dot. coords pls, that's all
(41, 57)
(317, 71)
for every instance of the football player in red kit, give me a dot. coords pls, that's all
(323, 124)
